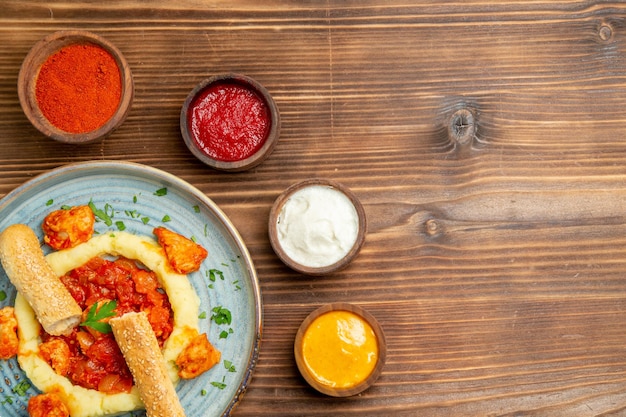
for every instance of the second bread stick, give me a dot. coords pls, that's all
(140, 348)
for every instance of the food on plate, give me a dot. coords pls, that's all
(105, 288)
(183, 254)
(109, 275)
(56, 352)
(67, 228)
(197, 357)
(8, 333)
(25, 265)
(141, 350)
(47, 405)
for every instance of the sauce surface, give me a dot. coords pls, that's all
(340, 349)
(317, 226)
(229, 122)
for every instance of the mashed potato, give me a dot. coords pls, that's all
(184, 301)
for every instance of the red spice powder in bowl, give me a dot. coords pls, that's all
(230, 122)
(75, 87)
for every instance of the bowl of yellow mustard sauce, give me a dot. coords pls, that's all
(340, 349)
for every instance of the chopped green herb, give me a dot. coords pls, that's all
(211, 286)
(220, 385)
(161, 192)
(64, 207)
(229, 366)
(202, 315)
(3, 295)
(214, 273)
(203, 392)
(7, 400)
(225, 333)
(221, 315)
(49, 202)
(145, 220)
(120, 225)
(166, 218)
(21, 388)
(108, 209)
(96, 314)
(194, 239)
(196, 208)
(206, 230)
(134, 199)
(237, 286)
(101, 215)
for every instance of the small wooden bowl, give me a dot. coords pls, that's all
(29, 72)
(327, 389)
(275, 240)
(238, 165)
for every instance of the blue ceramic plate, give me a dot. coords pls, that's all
(139, 198)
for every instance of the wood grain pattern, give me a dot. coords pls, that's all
(496, 266)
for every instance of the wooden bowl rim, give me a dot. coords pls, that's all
(328, 269)
(29, 71)
(272, 136)
(382, 349)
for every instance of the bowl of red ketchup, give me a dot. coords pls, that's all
(230, 122)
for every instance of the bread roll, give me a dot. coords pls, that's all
(140, 348)
(25, 265)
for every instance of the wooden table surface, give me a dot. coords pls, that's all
(486, 141)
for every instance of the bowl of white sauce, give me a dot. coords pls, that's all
(317, 226)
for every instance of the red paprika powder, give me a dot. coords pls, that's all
(79, 88)
(229, 122)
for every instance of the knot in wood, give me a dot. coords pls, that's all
(605, 32)
(462, 127)
(432, 227)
